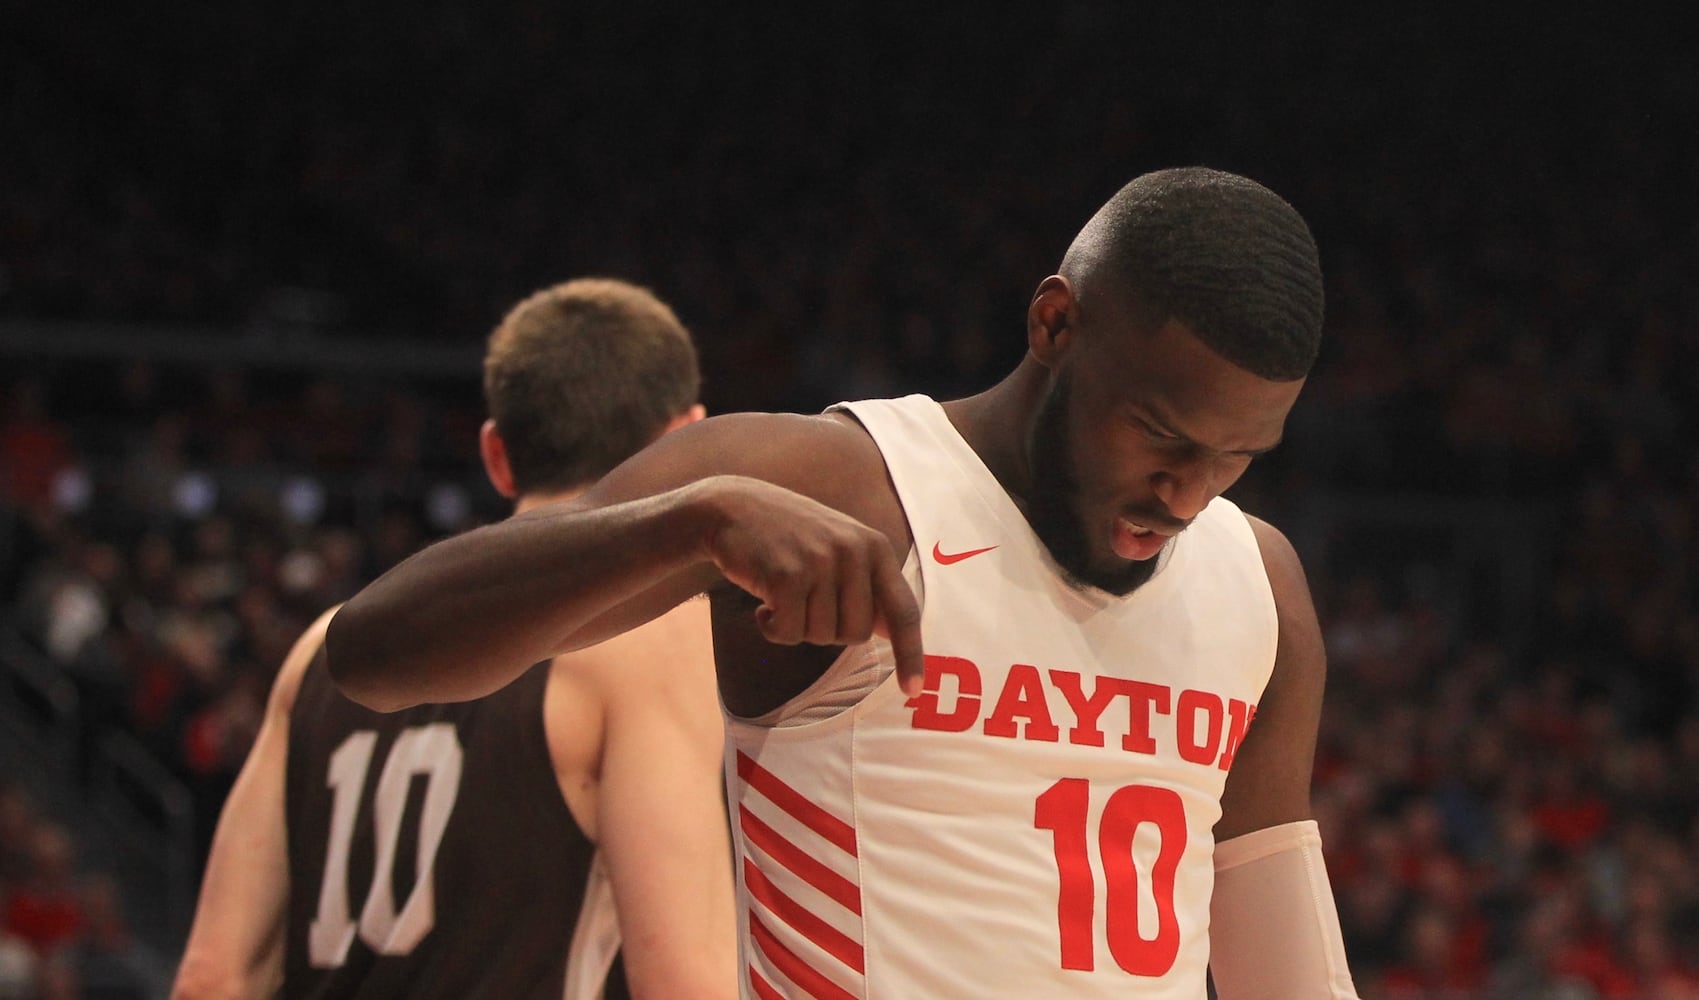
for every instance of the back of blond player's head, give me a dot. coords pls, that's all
(581, 376)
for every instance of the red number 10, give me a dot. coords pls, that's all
(1063, 810)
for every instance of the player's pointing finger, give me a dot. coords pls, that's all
(899, 616)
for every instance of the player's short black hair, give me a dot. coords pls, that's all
(1218, 252)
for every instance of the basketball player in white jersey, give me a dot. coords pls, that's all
(1024, 708)
(576, 807)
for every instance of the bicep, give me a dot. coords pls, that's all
(778, 448)
(1270, 780)
(237, 935)
(662, 827)
(235, 944)
(827, 458)
(665, 842)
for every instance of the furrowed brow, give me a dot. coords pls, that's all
(1155, 415)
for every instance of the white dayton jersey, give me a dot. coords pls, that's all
(1038, 822)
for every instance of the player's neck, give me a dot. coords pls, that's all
(997, 425)
(531, 501)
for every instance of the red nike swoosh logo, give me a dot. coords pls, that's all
(946, 558)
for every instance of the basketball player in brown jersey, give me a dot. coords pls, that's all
(508, 846)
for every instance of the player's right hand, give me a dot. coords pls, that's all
(822, 576)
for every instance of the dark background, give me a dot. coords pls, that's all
(249, 253)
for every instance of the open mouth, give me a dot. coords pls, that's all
(1135, 541)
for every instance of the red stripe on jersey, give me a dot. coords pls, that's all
(796, 804)
(762, 987)
(801, 919)
(794, 968)
(837, 888)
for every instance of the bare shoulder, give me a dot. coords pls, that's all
(826, 457)
(821, 435)
(1270, 780)
(308, 647)
(797, 451)
(1301, 661)
(657, 648)
(1278, 555)
(666, 660)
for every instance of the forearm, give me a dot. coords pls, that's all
(1274, 930)
(466, 616)
(664, 835)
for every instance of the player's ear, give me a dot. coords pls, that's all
(688, 417)
(1050, 320)
(496, 466)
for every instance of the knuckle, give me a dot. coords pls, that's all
(786, 574)
(822, 561)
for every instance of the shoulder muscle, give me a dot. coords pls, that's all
(1270, 780)
(307, 648)
(828, 458)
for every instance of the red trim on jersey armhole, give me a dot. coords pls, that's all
(797, 805)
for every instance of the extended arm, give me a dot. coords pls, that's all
(235, 947)
(466, 616)
(1274, 931)
(759, 500)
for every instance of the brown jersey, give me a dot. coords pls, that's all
(431, 854)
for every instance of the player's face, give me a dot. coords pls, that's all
(1137, 435)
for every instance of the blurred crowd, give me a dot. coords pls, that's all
(1505, 773)
(64, 933)
(166, 536)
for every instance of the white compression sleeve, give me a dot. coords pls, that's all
(1273, 928)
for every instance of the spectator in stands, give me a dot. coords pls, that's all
(45, 909)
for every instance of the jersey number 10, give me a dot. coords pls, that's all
(1064, 810)
(432, 751)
